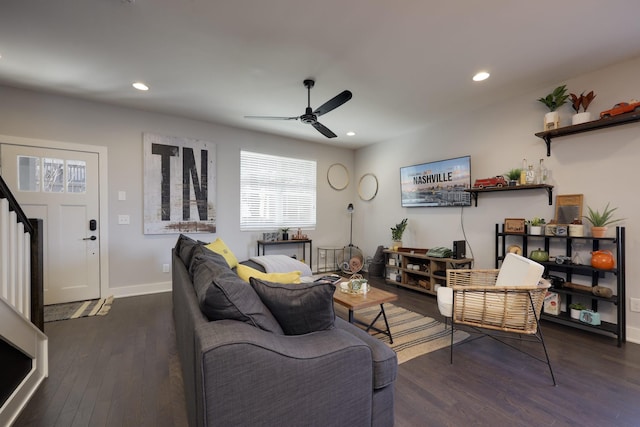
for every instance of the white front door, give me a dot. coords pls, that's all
(61, 187)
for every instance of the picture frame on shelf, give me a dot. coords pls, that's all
(568, 208)
(514, 225)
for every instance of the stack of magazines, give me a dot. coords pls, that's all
(330, 278)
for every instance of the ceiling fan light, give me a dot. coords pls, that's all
(351, 133)
(482, 75)
(140, 86)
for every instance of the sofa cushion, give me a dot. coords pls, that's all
(223, 295)
(245, 273)
(299, 308)
(184, 248)
(220, 247)
(201, 254)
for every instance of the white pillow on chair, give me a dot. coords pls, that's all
(517, 270)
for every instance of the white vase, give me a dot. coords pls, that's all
(535, 229)
(551, 120)
(575, 314)
(581, 118)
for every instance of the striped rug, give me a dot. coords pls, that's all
(75, 310)
(413, 334)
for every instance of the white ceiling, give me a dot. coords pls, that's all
(407, 62)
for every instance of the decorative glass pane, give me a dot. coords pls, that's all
(28, 173)
(76, 176)
(53, 175)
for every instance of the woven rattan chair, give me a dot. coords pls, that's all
(472, 298)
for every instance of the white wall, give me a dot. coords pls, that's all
(135, 259)
(600, 164)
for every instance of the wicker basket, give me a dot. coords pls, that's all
(478, 302)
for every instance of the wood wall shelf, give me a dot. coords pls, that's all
(475, 191)
(622, 119)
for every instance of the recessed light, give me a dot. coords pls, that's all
(140, 86)
(482, 75)
(351, 133)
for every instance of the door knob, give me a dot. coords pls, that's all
(90, 238)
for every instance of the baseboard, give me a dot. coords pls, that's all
(633, 335)
(135, 290)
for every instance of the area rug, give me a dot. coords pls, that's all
(75, 310)
(413, 334)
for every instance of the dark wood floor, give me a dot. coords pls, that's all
(122, 370)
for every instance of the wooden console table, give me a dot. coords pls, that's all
(304, 242)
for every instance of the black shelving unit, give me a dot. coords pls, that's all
(615, 244)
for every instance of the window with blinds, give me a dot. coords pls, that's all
(276, 192)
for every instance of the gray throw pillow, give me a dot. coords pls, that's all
(201, 254)
(223, 295)
(184, 248)
(299, 308)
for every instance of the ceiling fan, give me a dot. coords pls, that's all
(310, 117)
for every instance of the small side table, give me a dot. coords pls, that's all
(303, 243)
(330, 257)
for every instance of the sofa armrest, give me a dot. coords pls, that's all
(249, 375)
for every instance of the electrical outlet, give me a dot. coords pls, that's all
(165, 268)
(635, 304)
(123, 219)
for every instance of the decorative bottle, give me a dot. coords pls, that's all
(543, 173)
(530, 176)
(523, 172)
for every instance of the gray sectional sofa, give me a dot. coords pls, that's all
(266, 354)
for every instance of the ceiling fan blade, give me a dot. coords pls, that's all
(271, 118)
(323, 130)
(333, 103)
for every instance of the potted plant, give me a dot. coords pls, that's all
(285, 233)
(584, 101)
(535, 225)
(600, 221)
(576, 308)
(553, 101)
(397, 232)
(513, 176)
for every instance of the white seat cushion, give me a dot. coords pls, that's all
(445, 301)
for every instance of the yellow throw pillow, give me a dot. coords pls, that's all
(221, 248)
(245, 272)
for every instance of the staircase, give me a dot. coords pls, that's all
(23, 345)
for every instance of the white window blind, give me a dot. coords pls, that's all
(276, 192)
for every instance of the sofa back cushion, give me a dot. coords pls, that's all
(223, 295)
(299, 308)
(185, 247)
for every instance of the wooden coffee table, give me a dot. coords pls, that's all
(358, 301)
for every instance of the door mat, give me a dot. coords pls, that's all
(413, 334)
(75, 310)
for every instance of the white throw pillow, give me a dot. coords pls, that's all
(517, 270)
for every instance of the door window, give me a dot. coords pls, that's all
(58, 176)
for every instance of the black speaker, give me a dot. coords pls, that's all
(459, 249)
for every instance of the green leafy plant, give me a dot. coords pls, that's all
(398, 230)
(285, 229)
(536, 221)
(582, 100)
(603, 219)
(555, 99)
(577, 306)
(513, 174)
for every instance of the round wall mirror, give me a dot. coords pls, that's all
(368, 186)
(338, 176)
